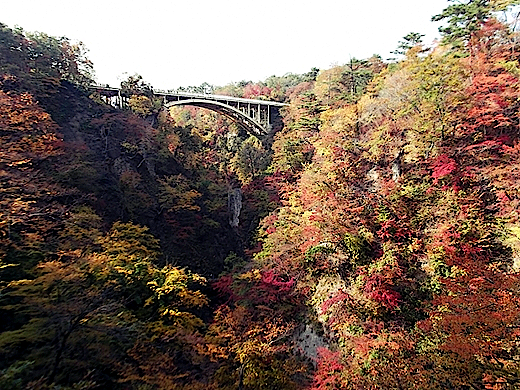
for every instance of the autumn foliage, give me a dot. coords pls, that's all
(378, 241)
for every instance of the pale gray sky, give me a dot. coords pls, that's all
(174, 43)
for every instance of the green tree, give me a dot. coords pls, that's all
(343, 84)
(135, 85)
(409, 41)
(466, 17)
(250, 160)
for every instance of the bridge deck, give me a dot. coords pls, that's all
(190, 95)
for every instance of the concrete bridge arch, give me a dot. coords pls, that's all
(230, 112)
(256, 116)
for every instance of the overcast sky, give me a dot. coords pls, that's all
(174, 43)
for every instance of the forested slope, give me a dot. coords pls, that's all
(377, 246)
(87, 192)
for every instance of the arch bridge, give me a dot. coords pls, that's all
(256, 116)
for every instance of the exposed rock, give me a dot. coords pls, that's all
(234, 206)
(374, 178)
(396, 167)
(307, 342)
(396, 170)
